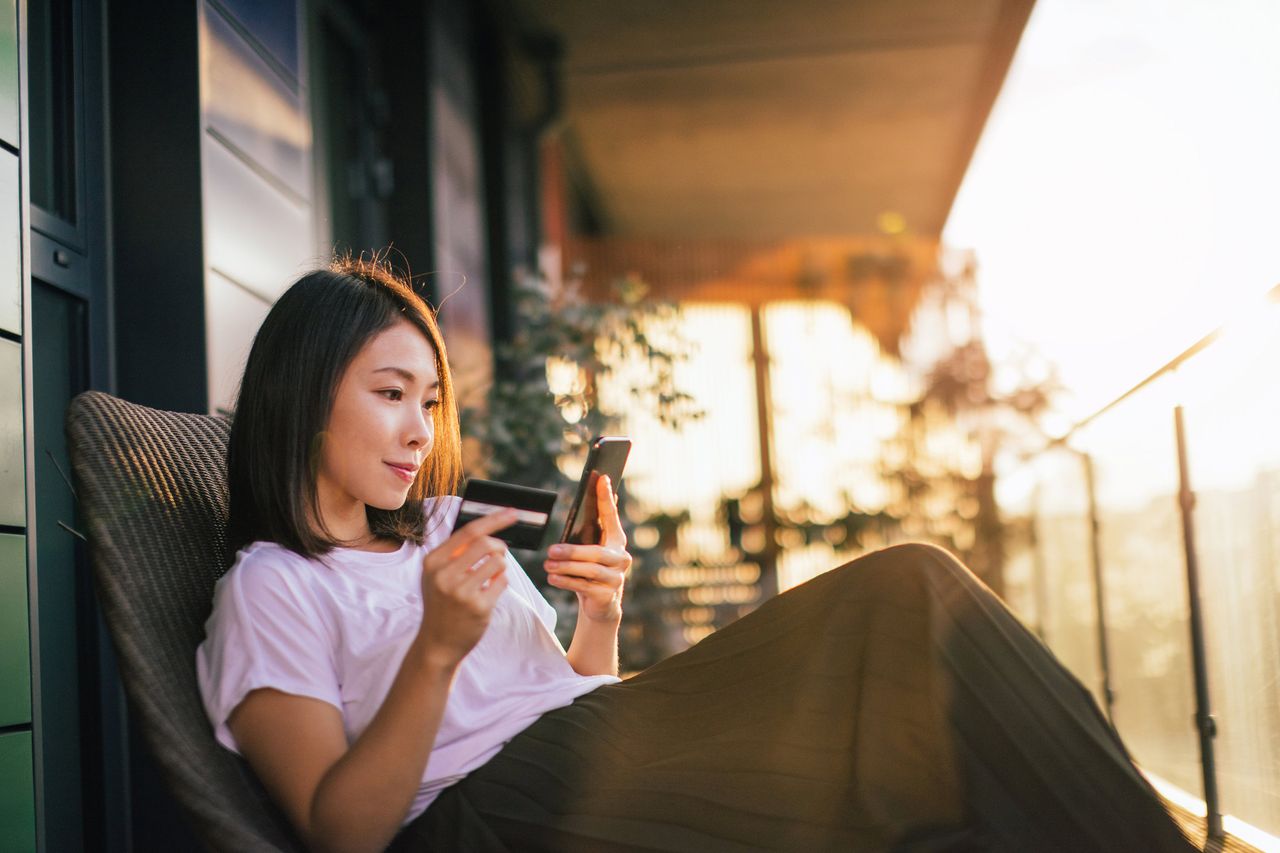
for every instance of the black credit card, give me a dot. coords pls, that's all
(482, 497)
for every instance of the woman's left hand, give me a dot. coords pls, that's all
(596, 573)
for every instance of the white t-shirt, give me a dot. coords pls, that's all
(339, 635)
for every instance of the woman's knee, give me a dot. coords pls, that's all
(916, 559)
(924, 553)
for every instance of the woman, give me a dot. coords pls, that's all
(392, 683)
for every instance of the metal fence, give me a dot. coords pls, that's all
(1144, 548)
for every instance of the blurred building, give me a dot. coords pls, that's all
(168, 169)
(785, 178)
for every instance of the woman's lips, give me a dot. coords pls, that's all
(403, 473)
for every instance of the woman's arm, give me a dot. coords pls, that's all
(594, 647)
(341, 798)
(354, 798)
(597, 573)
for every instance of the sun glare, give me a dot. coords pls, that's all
(1122, 200)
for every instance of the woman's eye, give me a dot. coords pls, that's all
(397, 395)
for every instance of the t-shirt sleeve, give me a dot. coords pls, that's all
(521, 585)
(266, 630)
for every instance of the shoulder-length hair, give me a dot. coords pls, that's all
(298, 357)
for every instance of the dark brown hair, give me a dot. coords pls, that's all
(298, 358)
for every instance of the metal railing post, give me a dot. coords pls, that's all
(1040, 590)
(764, 405)
(1205, 724)
(1099, 598)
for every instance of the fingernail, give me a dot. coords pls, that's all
(557, 550)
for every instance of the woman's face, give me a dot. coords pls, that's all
(380, 430)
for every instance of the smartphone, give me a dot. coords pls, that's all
(607, 457)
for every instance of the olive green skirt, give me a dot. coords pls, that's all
(892, 704)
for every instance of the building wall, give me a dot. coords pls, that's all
(202, 139)
(17, 783)
(461, 273)
(257, 179)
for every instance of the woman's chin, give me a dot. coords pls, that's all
(390, 502)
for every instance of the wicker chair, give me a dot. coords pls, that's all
(152, 488)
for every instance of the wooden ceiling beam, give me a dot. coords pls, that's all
(879, 278)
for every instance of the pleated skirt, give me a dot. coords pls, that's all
(892, 704)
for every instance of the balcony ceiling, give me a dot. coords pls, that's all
(761, 119)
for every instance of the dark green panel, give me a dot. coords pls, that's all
(17, 794)
(10, 245)
(13, 501)
(15, 648)
(51, 153)
(65, 609)
(9, 72)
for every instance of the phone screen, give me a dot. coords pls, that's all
(607, 457)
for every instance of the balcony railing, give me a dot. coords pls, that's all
(1144, 548)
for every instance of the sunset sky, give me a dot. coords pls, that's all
(1125, 197)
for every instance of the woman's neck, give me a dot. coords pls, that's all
(351, 530)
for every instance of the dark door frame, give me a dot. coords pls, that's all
(72, 258)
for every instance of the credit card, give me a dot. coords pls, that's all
(483, 497)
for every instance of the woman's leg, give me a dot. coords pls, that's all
(1041, 768)
(890, 704)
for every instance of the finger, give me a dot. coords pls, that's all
(485, 573)
(480, 527)
(479, 550)
(586, 587)
(458, 546)
(615, 557)
(610, 523)
(494, 521)
(471, 592)
(589, 571)
(490, 594)
(457, 567)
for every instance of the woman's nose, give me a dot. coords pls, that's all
(421, 428)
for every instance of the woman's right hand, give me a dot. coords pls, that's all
(462, 579)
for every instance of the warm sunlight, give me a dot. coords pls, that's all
(1122, 199)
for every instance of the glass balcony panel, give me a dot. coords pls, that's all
(1232, 414)
(1134, 455)
(1016, 496)
(1065, 593)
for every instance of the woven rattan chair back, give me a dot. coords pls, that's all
(152, 488)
